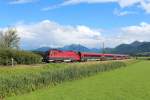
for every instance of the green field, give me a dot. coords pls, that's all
(129, 83)
(23, 79)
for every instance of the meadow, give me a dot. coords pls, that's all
(24, 79)
(126, 83)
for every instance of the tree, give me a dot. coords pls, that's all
(9, 39)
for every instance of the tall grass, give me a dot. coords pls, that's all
(14, 84)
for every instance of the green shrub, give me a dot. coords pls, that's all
(14, 84)
(20, 57)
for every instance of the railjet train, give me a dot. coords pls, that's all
(72, 56)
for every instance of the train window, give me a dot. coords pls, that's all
(51, 53)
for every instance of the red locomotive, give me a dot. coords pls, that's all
(72, 56)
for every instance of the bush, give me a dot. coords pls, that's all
(20, 57)
(14, 84)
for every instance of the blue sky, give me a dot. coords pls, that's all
(110, 19)
(94, 15)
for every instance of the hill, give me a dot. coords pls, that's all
(73, 47)
(133, 48)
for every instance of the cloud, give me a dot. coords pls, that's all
(21, 1)
(144, 4)
(53, 34)
(123, 13)
(130, 34)
(127, 3)
(138, 32)
(122, 3)
(50, 33)
(74, 2)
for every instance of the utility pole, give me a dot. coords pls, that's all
(12, 62)
(103, 51)
(103, 48)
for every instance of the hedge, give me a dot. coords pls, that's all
(20, 57)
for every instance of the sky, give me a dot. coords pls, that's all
(55, 23)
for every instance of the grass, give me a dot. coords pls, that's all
(143, 58)
(129, 83)
(21, 80)
(20, 69)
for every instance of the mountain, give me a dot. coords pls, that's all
(42, 49)
(144, 47)
(133, 48)
(73, 47)
(108, 50)
(136, 43)
(81, 48)
(123, 49)
(95, 50)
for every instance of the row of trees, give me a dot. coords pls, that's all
(9, 49)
